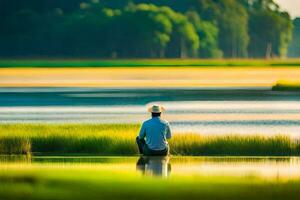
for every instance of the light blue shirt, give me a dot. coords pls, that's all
(156, 131)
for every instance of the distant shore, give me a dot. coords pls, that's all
(287, 86)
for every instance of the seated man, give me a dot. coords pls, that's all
(152, 139)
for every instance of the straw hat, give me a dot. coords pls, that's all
(156, 109)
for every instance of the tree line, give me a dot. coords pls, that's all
(294, 47)
(144, 28)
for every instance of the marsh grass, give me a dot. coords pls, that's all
(149, 63)
(286, 86)
(15, 145)
(119, 139)
(235, 145)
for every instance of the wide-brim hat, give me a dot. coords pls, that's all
(156, 109)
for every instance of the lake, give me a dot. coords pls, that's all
(264, 168)
(93, 177)
(201, 110)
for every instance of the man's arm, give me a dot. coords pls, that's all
(168, 131)
(142, 133)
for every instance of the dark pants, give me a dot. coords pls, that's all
(145, 150)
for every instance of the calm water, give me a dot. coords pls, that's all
(206, 111)
(286, 168)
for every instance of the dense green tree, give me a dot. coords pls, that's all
(82, 33)
(269, 29)
(140, 31)
(208, 32)
(294, 48)
(230, 17)
(232, 21)
(184, 39)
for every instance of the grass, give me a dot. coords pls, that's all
(145, 62)
(287, 86)
(50, 182)
(119, 139)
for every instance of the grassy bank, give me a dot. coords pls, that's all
(146, 62)
(52, 182)
(120, 140)
(286, 86)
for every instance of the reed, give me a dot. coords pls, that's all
(234, 145)
(119, 139)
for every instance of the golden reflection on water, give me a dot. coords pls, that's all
(283, 169)
(274, 168)
(146, 77)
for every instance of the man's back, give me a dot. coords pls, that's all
(156, 131)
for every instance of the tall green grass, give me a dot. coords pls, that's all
(147, 63)
(235, 145)
(119, 139)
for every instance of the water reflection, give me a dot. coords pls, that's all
(271, 168)
(16, 159)
(154, 166)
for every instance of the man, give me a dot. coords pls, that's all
(152, 139)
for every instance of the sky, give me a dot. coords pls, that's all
(292, 6)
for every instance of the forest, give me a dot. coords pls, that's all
(145, 29)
